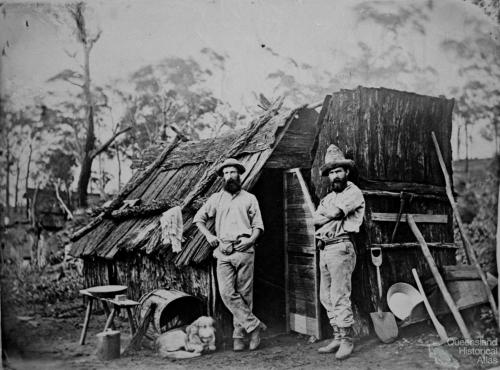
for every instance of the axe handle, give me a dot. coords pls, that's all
(439, 279)
(439, 328)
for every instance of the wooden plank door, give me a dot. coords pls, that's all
(301, 258)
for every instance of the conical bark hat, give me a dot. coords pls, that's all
(335, 158)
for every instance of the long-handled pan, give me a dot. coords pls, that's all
(439, 328)
(384, 323)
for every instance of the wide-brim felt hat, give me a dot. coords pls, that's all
(231, 162)
(335, 158)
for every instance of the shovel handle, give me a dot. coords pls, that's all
(379, 282)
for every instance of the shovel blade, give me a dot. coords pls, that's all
(385, 326)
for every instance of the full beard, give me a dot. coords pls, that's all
(338, 186)
(232, 185)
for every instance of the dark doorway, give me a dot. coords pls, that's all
(269, 282)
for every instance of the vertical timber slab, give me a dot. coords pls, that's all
(302, 284)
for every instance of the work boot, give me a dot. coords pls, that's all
(255, 337)
(346, 344)
(238, 345)
(334, 344)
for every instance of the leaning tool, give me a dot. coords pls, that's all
(384, 323)
(469, 251)
(439, 328)
(439, 279)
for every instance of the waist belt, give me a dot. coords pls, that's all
(322, 244)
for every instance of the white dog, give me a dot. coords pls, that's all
(199, 337)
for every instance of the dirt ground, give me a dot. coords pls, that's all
(35, 342)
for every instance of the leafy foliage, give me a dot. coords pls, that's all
(44, 293)
(478, 206)
(173, 97)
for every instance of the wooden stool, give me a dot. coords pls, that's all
(117, 305)
(90, 300)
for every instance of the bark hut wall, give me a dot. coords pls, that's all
(143, 274)
(388, 134)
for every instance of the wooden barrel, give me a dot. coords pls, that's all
(173, 308)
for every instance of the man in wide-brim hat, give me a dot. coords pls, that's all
(339, 215)
(238, 224)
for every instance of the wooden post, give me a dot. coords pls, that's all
(468, 247)
(131, 320)
(86, 321)
(135, 342)
(451, 198)
(109, 322)
(439, 279)
(498, 249)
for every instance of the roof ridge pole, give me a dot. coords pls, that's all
(131, 185)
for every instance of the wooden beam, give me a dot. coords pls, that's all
(439, 279)
(414, 245)
(421, 218)
(396, 186)
(391, 194)
(471, 254)
(498, 250)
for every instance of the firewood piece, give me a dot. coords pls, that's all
(135, 342)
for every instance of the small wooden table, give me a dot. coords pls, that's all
(110, 314)
(117, 305)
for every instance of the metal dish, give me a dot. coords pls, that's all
(107, 291)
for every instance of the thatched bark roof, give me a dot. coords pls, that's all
(184, 177)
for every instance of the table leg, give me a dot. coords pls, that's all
(109, 322)
(107, 312)
(131, 320)
(86, 321)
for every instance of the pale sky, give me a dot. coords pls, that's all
(322, 33)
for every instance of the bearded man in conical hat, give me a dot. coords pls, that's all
(339, 215)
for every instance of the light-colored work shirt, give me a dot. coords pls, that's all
(235, 215)
(352, 204)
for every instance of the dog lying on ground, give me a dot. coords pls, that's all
(198, 338)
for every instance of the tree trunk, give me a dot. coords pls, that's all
(26, 182)
(466, 149)
(35, 228)
(458, 140)
(16, 194)
(86, 169)
(495, 122)
(7, 182)
(119, 167)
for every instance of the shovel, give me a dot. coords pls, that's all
(384, 323)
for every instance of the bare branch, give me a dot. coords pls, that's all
(71, 55)
(94, 40)
(109, 142)
(74, 83)
(61, 202)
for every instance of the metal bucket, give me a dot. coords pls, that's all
(402, 298)
(173, 308)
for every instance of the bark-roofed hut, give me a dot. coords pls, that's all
(123, 244)
(386, 132)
